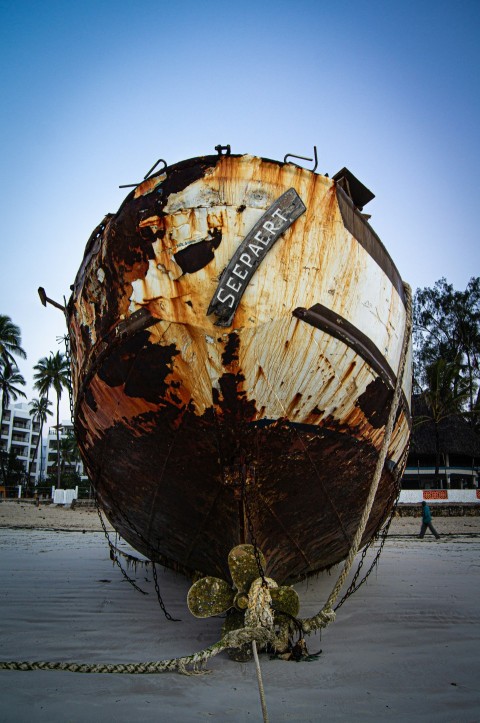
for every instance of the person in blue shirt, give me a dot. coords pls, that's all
(427, 522)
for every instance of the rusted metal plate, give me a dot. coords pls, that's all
(171, 409)
(251, 252)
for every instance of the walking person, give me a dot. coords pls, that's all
(427, 522)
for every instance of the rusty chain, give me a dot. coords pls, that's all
(382, 535)
(159, 597)
(157, 588)
(113, 552)
(68, 358)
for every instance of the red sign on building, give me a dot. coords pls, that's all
(435, 494)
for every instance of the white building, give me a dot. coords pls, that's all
(20, 434)
(66, 429)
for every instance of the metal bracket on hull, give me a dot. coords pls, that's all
(304, 158)
(147, 175)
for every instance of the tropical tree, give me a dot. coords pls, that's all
(447, 326)
(69, 453)
(10, 341)
(444, 397)
(13, 471)
(52, 373)
(39, 410)
(10, 379)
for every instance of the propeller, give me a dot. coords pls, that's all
(211, 596)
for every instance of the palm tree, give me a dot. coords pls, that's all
(52, 372)
(445, 396)
(39, 409)
(10, 378)
(10, 340)
(69, 451)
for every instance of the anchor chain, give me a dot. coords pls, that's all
(154, 571)
(159, 597)
(113, 554)
(68, 358)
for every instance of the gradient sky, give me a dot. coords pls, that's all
(93, 93)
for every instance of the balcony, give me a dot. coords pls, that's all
(21, 423)
(19, 451)
(20, 438)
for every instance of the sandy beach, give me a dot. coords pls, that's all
(26, 515)
(404, 647)
(20, 514)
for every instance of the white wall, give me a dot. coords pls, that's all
(460, 496)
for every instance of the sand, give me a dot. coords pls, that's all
(25, 515)
(404, 647)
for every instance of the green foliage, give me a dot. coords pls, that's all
(52, 373)
(12, 470)
(39, 410)
(10, 341)
(446, 390)
(10, 379)
(447, 348)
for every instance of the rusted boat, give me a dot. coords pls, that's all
(235, 331)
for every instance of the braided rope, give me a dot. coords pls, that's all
(234, 639)
(261, 689)
(327, 615)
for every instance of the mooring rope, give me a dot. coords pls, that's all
(260, 682)
(234, 639)
(327, 615)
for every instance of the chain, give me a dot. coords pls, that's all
(113, 552)
(66, 339)
(130, 524)
(251, 533)
(159, 597)
(383, 534)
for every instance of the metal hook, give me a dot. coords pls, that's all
(45, 299)
(147, 175)
(303, 158)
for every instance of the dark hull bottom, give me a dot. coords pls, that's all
(176, 495)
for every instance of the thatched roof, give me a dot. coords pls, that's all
(456, 434)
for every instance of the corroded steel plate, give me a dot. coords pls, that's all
(178, 418)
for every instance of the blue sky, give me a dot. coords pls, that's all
(93, 93)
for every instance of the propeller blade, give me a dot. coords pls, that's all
(285, 600)
(209, 596)
(243, 566)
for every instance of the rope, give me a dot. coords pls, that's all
(327, 615)
(260, 682)
(234, 639)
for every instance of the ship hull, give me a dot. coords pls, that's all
(200, 433)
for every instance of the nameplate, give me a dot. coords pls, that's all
(250, 254)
